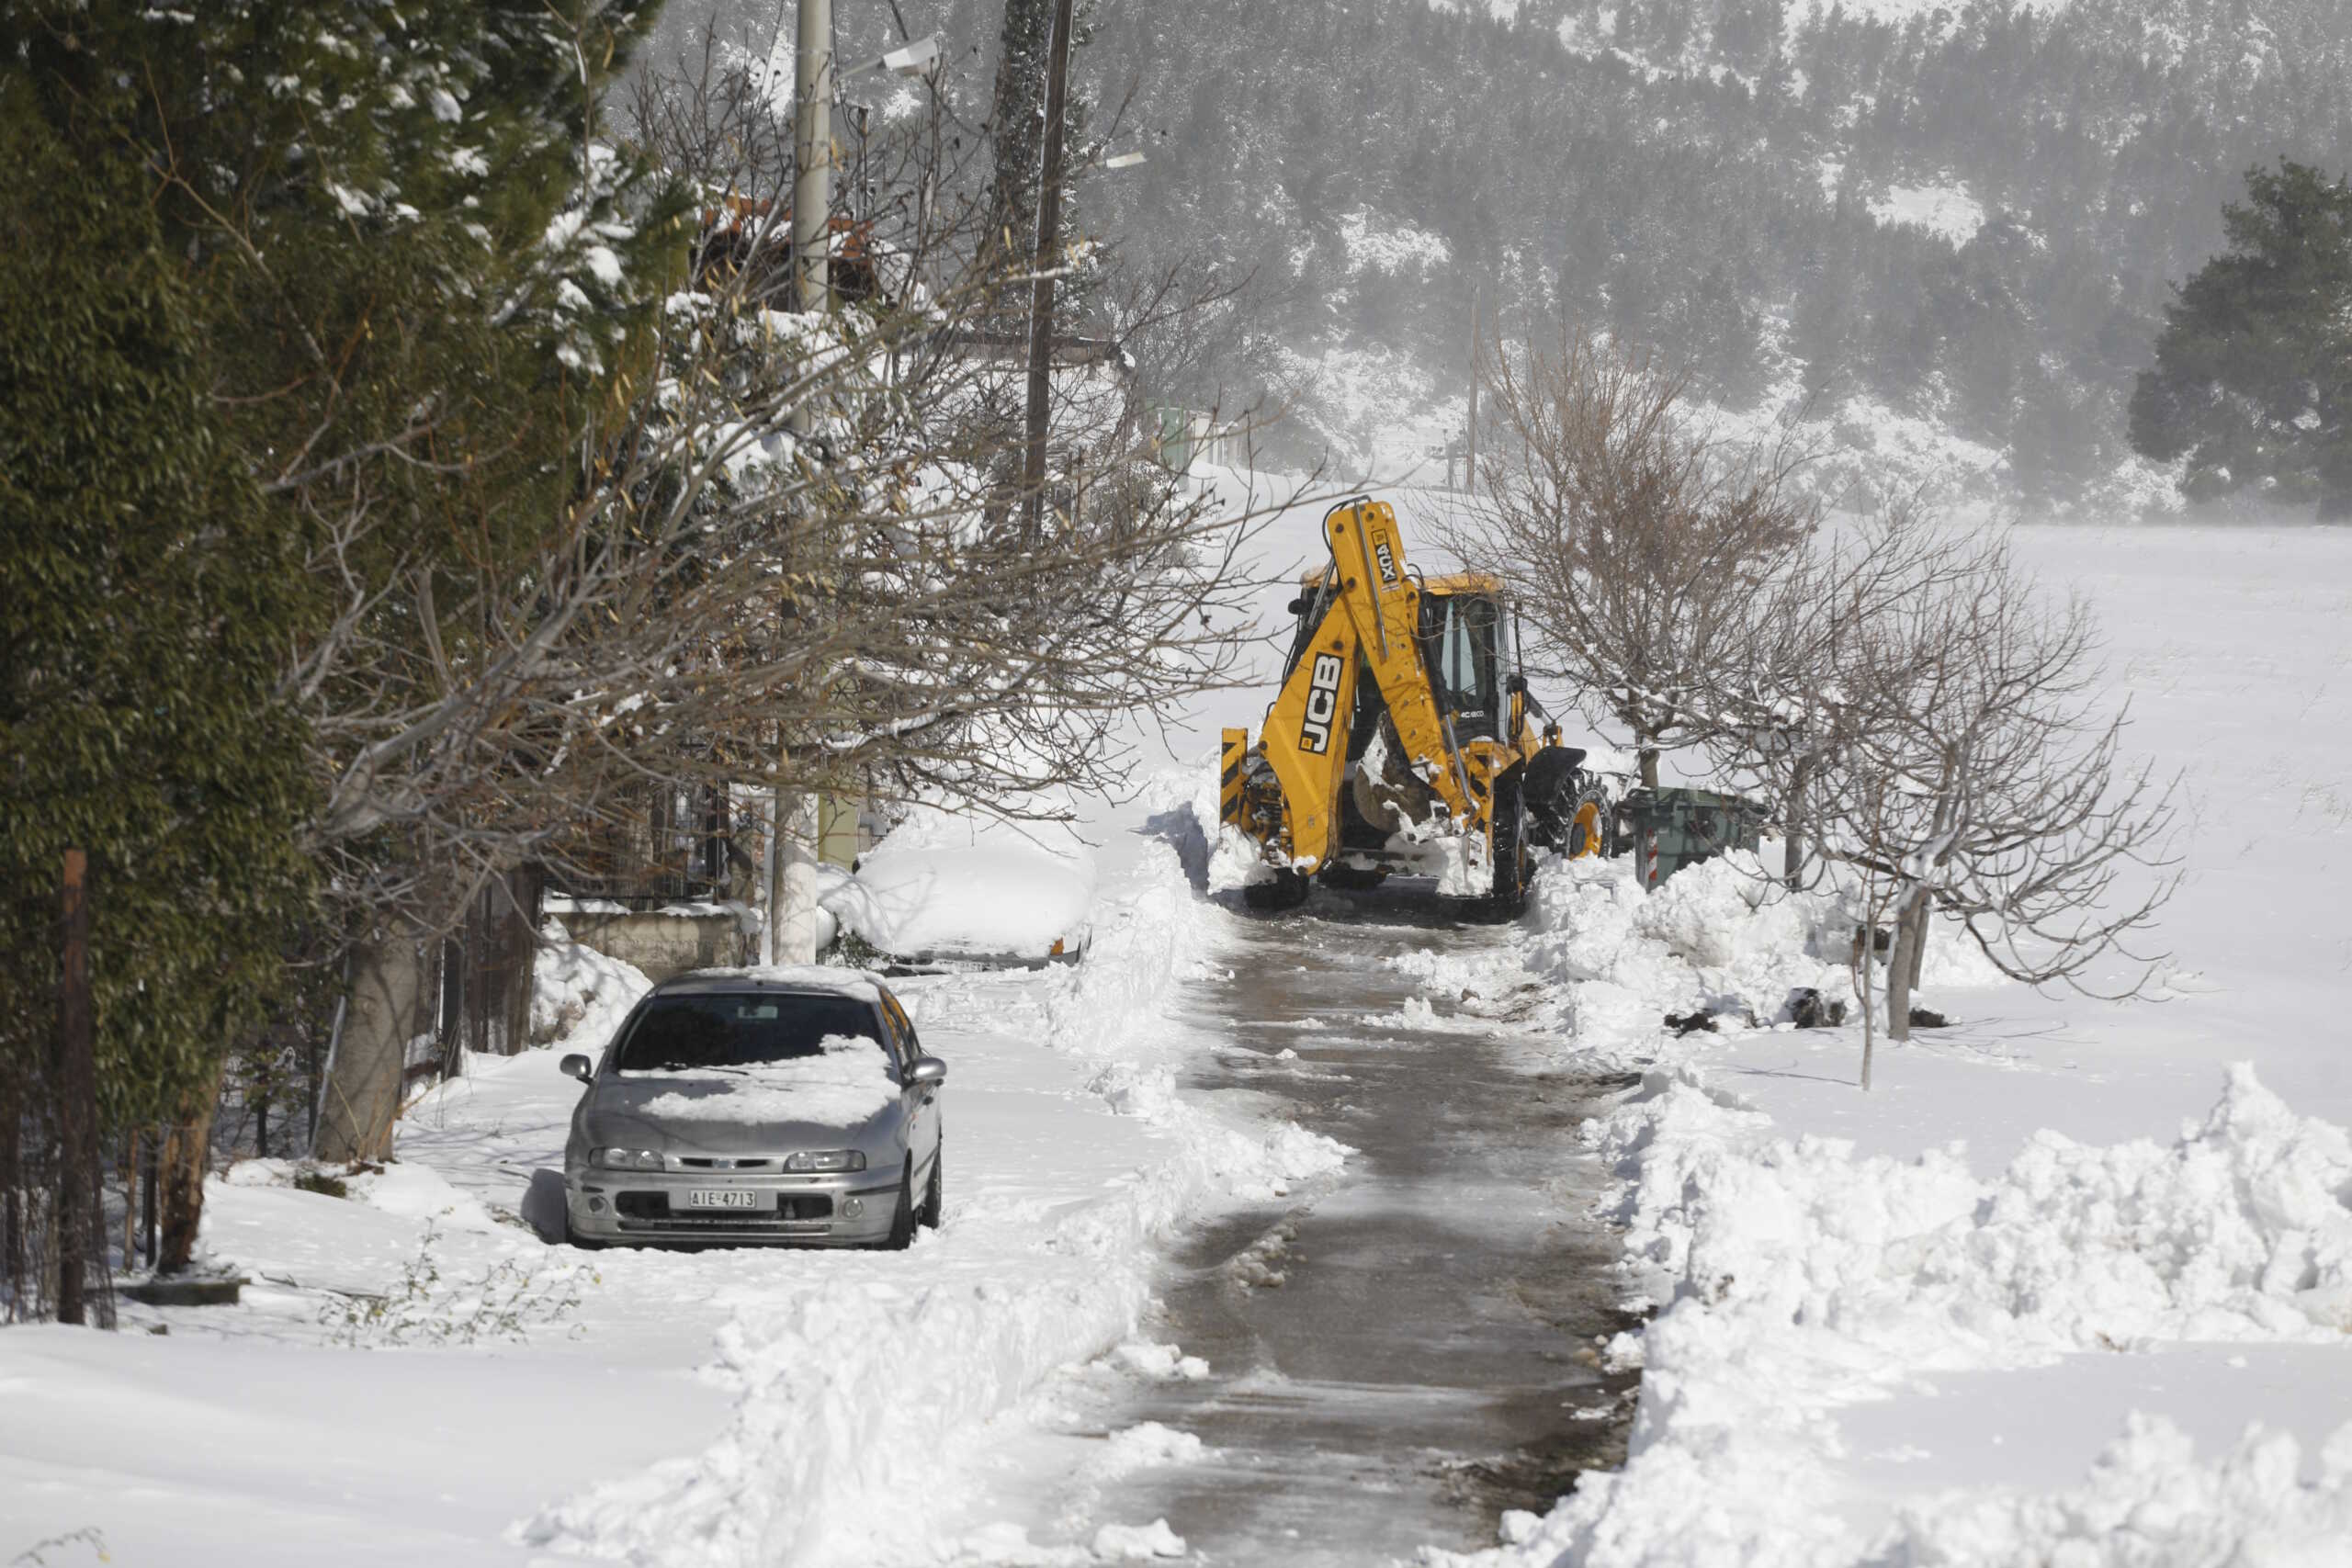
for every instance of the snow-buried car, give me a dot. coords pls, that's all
(789, 1105)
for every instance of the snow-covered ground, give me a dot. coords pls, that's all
(2073, 1282)
(2066, 1280)
(417, 1375)
(2034, 1289)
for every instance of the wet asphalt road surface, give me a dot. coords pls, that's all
(1407, 1348)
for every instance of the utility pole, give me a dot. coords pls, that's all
(1041, 296)
(789, 935)
(1470, 476)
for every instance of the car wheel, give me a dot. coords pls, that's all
(902, 1218)
(933, 1202)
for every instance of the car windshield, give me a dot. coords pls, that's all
(752, 1029)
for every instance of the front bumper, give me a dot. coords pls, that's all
(625, 1207)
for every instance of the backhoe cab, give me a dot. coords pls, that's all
(1400, 742)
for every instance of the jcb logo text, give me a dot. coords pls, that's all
(1322, 704)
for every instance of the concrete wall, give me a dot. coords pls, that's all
(663, 943)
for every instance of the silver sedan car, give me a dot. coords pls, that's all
(757, 1105)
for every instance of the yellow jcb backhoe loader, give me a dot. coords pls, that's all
(1399, 742)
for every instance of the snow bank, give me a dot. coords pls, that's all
(1797, 1277)
(577, 995)
(1720, 937)
(2239, 1229)
(1802, 1278)
(2149, 1501)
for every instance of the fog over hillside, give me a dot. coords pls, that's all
(1946, 233)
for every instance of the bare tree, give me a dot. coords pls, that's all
(1974, 771)
(1788, 709)
(783, 563)
(1634, 539)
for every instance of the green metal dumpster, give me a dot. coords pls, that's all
(1666, 830)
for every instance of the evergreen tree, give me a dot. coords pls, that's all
(2251, 382)
(149, 595)
(378, 275)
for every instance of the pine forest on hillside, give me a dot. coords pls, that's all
(1972, 215)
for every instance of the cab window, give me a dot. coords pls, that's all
(1461, 634)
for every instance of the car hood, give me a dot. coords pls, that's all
(717, 1116)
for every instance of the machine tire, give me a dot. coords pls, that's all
(934, 1203)
(1288, 890)
(1552, 783)
(1593, 838)
(902, 1218)
(1512, 855)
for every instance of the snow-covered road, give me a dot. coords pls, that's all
(1401, 1350)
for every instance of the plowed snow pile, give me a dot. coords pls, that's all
(1803, 1278)
(1797, 1279)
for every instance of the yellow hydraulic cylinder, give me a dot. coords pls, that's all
(1386, 604)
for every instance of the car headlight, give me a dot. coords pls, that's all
(829, 1160)
(625, 1159)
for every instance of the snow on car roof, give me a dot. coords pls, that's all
(861, 984)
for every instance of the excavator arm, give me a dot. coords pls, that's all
(1386, 604)
(1369, 622)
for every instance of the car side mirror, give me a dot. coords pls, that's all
(576, 1066)
(926, 1072)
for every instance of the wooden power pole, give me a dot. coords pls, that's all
(1041, 296)
(1470, 475)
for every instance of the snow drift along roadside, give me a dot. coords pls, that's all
(854, 1393)
(1799, 1278)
